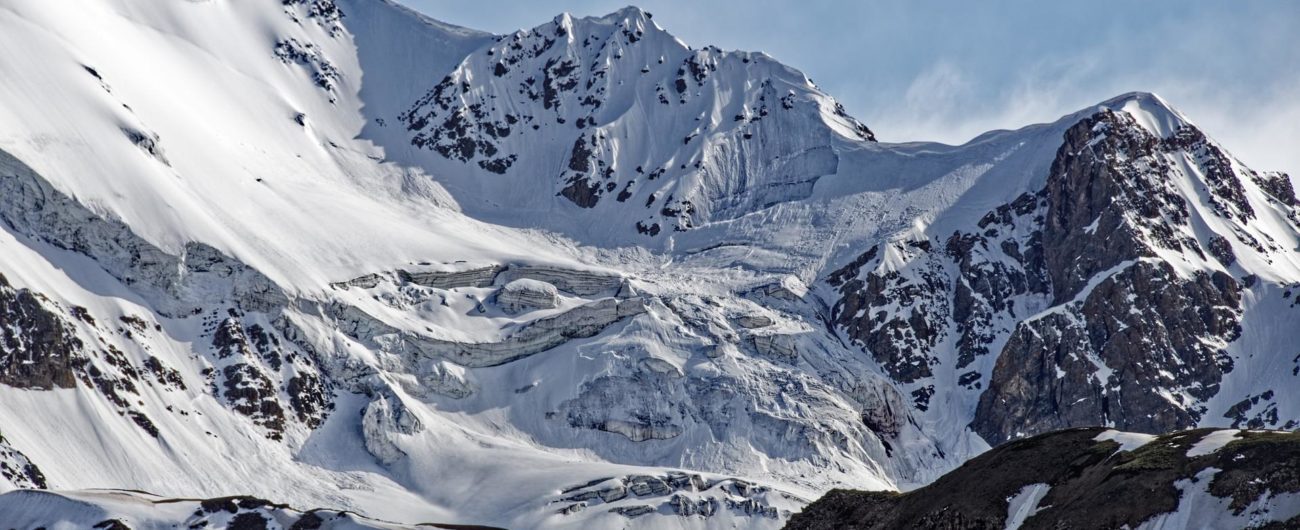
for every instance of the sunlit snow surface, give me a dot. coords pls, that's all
(314, 185)
(1127, 441)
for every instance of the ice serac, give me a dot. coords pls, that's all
(525, 295)
(624, 119)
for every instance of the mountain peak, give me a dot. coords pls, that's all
(1150, 111)
(630, 18)
(630, 118)
(629, 13)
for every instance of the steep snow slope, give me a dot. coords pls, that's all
(211, 95)
(615, 115)
(228, 272)
(283, 249)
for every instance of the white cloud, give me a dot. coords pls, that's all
(944, 103)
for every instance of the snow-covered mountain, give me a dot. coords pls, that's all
(630, 122)
(335, 254)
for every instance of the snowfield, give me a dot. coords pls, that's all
(334, 254)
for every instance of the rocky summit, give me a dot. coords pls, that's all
(381, 270)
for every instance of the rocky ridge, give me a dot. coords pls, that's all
(599, 89)
(1108, 297)
(128, 510)
(1072, 478)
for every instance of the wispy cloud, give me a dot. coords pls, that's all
(1258, 121)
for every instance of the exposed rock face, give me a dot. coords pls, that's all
(147, 142)
(309, 398)
(269, 380)
(1142, 347)
(1101, 298)
(999, 267)
(903, 340)
(962, 297)
(1141, 352)
(716, 356)
(524, 294)
(251, 393)
(17, 470)
(306, 55)
(326, 13)
(38, 348)
(1071, 479)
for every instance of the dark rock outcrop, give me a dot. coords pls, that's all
(262, 376)
(1082, 480)
(18, 470)
(1136, 353)
(104, 510)
(39, 349)
(901, 339)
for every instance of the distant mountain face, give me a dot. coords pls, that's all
(1114, 295)
(581, 275)
(616, 115)
(1093, 478)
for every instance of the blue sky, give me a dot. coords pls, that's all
(948, 70)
